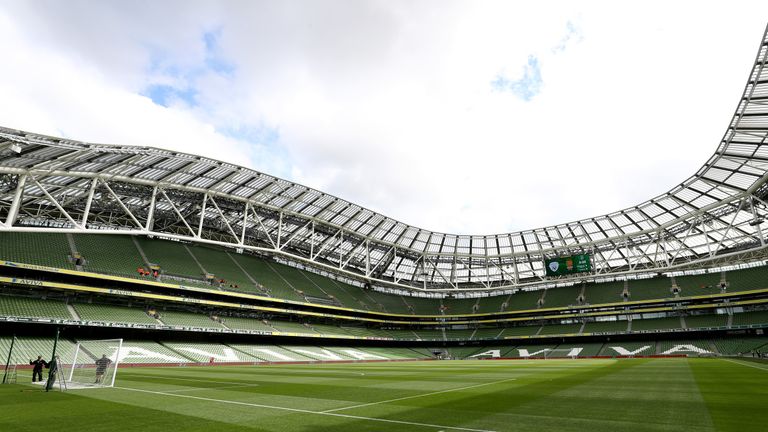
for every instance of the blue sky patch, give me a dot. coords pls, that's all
(166, 95)
(527, 86)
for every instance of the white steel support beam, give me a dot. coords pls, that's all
(202, 216)
(18, 194)
(295, 233)
(56, 204)
(263, 228)
(245, 223)
(89, 201)
(123, 206)
(178, 213)
(226, 222)
(151, 210)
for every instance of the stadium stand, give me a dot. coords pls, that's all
(656, 324)
(262, 272)
(706, 321)
(696, 285)
(113, 314)
(292, 327)
(227, 274)
(120, 258)
(391, 303)
(523, 300)
(173, 257)
(271, 353)
(587, 349)
(187, 319)
(347, 295)
(149, 352)
(519, 331)
(750, 318)
(613, 349)
(562, 297)
(739, 346)
(747, 279)
(30, 307)
(204, 353)
(455, 306)
(528, 351)
(489, 333)
(423, 306)
(436, 335)
(463, 334)
(606, 326)
(239, 323)
(606, 292)
(687, 347)
(649, 289)
(560, 329)
(46, 249)
(27, 348)
(298, 282)
(463, 352)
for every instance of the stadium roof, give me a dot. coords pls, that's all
(716, 215)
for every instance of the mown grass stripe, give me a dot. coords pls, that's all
(419, 395)
(299, 410)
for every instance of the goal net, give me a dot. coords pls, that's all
(92, 363)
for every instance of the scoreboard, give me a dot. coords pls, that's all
(568, 265)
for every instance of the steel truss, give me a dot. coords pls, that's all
(715, 217)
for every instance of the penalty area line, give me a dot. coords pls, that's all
(418, 396)
(299, 410)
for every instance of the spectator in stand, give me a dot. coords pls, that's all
(37, 370)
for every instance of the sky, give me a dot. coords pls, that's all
(466, 117)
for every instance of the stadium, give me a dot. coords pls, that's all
(167, 290)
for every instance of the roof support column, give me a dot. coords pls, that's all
(89, 201)
(151, 210)
(202, 216)
(17, 195)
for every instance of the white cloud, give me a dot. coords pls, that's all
(389, 104)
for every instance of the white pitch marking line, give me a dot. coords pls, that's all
(306, 411)
(744, 364)
(418, 396)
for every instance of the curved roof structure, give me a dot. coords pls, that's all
(716, 215)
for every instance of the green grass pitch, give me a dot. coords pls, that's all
(551, 395)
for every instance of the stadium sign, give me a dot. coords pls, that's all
(568, 265)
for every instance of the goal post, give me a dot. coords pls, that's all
(92, 364)
(9, 371)
(16, 357)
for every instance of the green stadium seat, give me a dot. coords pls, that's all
(33, 308)
(45, 249)
(114, 314)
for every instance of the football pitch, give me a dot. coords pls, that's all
(526, 395)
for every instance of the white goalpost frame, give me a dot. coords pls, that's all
(74, 357)
(82, 351)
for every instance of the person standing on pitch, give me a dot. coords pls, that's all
(101, 367)
(37, 370)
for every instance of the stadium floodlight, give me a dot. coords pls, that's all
(93, 364)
